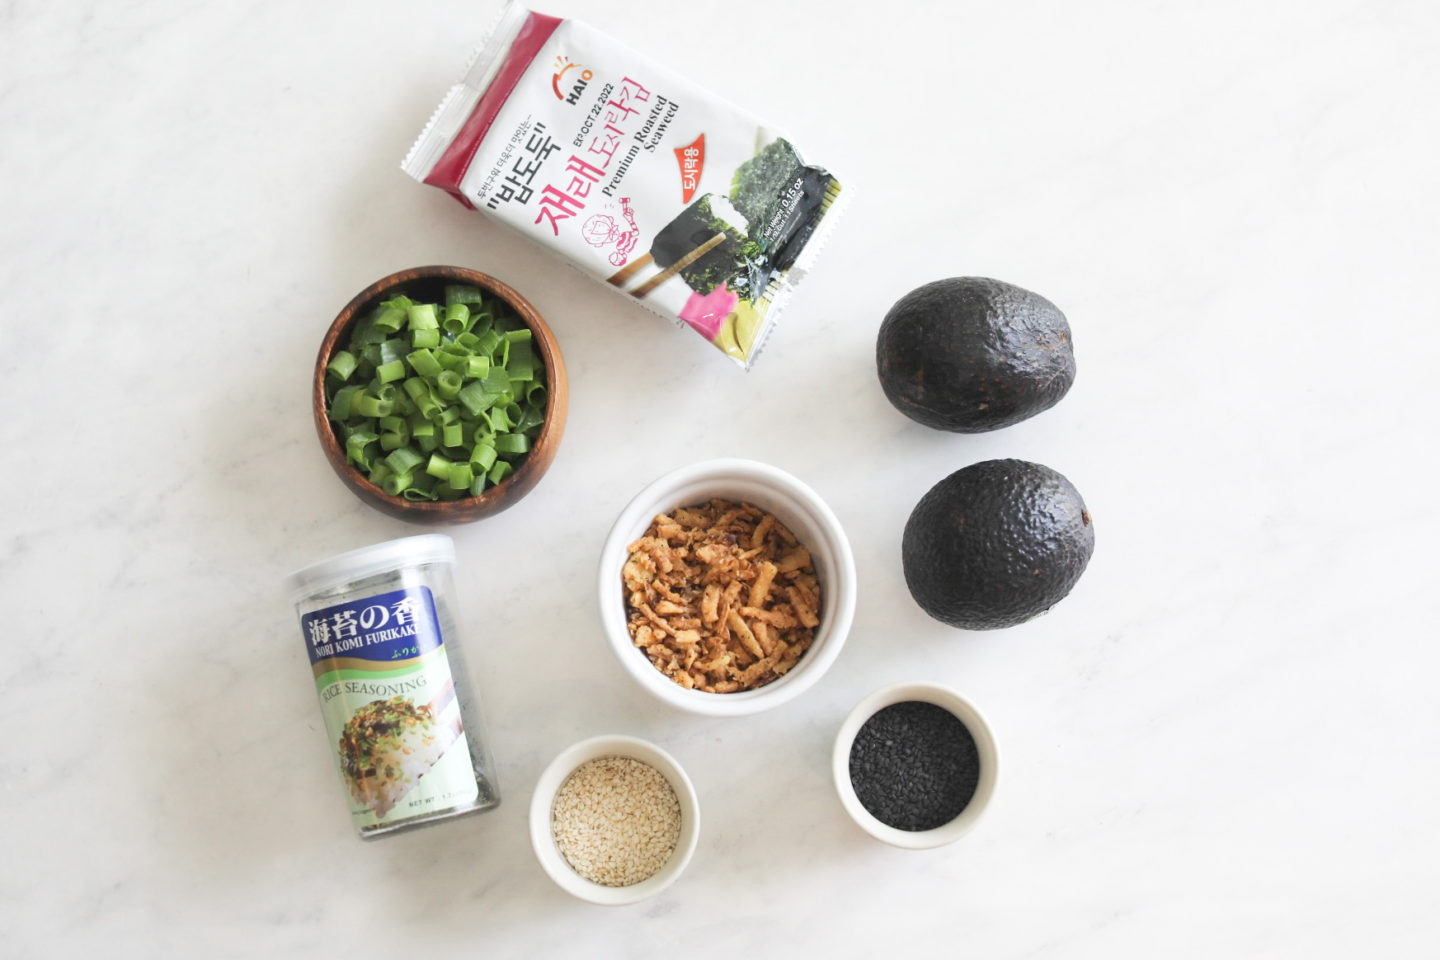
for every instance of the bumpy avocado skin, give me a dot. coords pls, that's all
(995, 544)
(969, 354)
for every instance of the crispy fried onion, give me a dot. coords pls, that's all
(721, 596)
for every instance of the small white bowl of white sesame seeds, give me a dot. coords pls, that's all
(614, 820)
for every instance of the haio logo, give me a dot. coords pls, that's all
(578, 81)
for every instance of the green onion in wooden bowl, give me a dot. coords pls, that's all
(440, 395)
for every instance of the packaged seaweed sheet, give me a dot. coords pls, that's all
(661, 189)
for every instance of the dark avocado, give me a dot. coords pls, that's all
(969, 354)
(995, 544)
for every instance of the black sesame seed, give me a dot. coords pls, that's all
(914, 766)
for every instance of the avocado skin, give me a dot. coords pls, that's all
(970, 354)
(995, 544)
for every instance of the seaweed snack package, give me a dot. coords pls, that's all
(655, 186)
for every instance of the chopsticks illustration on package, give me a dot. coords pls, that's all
(623, 276)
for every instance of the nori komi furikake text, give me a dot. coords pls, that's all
(914, 766)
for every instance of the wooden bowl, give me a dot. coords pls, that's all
(428, 284)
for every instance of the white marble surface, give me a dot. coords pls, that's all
(1226, 742)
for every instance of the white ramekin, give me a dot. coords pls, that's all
(795, 505)
(542, 836)
(984, 744)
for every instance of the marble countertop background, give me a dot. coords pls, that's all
(1225, 742)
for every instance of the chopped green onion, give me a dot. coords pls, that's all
(484, 319)
(512, 443)
(423, 362)
(462, 293)
(457, 319)
(448, 384)
(342, 364)
(499, 421)
(396, 433)
(530, 418)
(342, 405)
(420, 383)
(438, 467)
(403, 460)
(368, 406)
(497, 381)
(365, 333)
(451, 361)
(520, 365)
(483, 457)
(356, 447)
(423, 485)
(393, 349)
(461, 476)
(475, 398)
(490, 342)
(389, 319)
(422, 317)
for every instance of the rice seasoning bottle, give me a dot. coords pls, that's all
(405, 728)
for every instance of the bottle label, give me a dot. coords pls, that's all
(389, 704)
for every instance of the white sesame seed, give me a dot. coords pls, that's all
(616, 820)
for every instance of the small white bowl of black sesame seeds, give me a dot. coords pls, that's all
(915, 765)
(614, 820)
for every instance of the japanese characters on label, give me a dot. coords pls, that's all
(383, 627)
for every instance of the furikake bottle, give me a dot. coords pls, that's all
(379, 627)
